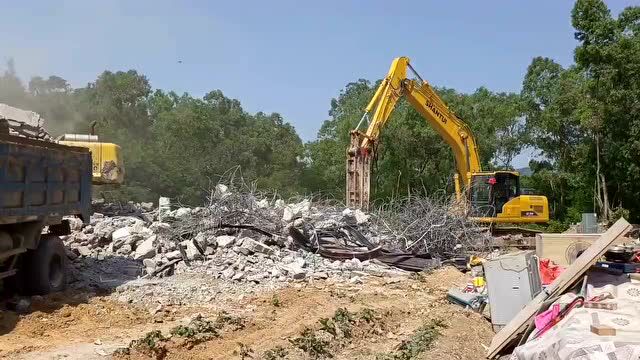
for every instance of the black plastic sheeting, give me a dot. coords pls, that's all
(347, 242)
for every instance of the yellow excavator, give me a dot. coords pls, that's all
(488, 196)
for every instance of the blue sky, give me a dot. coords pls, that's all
(283, 56)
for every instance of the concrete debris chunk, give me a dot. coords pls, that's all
(84, 251)
(356, 216)
(292, 211)
(121, 234)
(238, 276)
(228, 273)
(146, 249)
(201, 241)
(150, 265)
(74, 223)
(164, 207)
(225, 241)
(256, 246)
(295, 272)
(182, 212)
(173, 255)
(191, 250)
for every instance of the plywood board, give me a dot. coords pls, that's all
(563, 249)
(574, 272)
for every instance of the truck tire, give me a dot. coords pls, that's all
(44, 268)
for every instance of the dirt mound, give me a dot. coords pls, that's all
(66, 318)
(299, 321)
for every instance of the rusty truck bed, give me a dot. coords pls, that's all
(42, 179)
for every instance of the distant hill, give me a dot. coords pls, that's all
(525, 171)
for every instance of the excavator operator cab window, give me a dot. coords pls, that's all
(489, 193)
(480, 195)
(507, 187)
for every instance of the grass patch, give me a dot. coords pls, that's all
(275, 300)
(421, 341)
(340, 324)
(333, 333)
(309, 342)
(367, 315)
(152, 345)
(276, 353)
(197, 331)
(224, 318)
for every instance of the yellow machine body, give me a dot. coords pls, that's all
(108, 167)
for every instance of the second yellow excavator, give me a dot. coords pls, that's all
(489, 196)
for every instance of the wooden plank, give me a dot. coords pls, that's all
(518, 324)
(563, 249)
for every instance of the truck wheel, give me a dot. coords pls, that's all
(45, 267)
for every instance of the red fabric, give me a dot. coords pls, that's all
(549, 271)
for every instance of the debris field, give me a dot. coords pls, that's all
(140, 269)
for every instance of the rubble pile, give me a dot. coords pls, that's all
(239, 237)
(432, 225)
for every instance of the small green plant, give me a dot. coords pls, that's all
(224, 318)
(311, 344)
(328, 325)
(276, 353)
(275, 300)
(201, 325)
(367, 315)
(344, 319)
(183, 331)
(421, 340)
(197, 331)
(151, 344)
(244, 351)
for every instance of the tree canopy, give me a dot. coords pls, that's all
(581, 121)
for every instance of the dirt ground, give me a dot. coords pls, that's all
(82, 326)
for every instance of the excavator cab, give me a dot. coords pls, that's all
(496, 197)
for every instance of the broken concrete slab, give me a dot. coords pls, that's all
(121, 234)
(146, 249)
(173, 255)
(293, 211)
(84, 251)
(225, 241)
(191, 250)
(182, 212)
(256, 246)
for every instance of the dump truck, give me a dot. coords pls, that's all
(43, 182)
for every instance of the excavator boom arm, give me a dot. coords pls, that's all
(426, 101)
